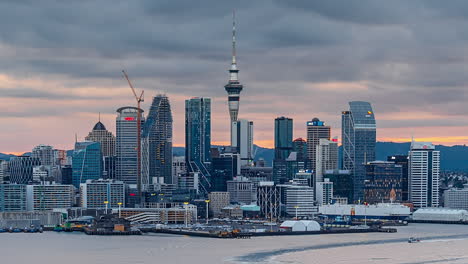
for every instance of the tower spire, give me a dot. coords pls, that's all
(233, 66)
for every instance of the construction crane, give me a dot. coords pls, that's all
(139, 99)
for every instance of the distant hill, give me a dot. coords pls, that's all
(452, 158)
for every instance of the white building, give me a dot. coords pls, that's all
(95, 193)
(48, 197)
(326, 157)
(242, 139)
(324, 192)
(45, 154)
(424, 169)
(456, 198)
(300, 201)
(40, 173)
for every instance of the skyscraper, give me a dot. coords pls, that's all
(403, 161)
(424, 170)
(87, 162)
(316, 130)
(283, 147)
(326, 157)
(242, 139)
(45, 154)
(233, 87)
(157, 141)
(126, 144)
(358, 133)
(198, 138)
(104, 137)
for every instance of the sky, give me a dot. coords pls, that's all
(61, 62)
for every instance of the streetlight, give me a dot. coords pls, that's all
(186, 212)
(107, 204)
(207, 202)
(296, 210)
(120, 205)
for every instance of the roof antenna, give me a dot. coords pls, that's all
(76, 138)
(99, 118)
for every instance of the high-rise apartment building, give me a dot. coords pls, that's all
(21, 169)
(316, 130)
(242, 140)
(87, 162)
(424, 171)
(104, 137)
(358, 134)
(157, 142)
(326, 157)
(198, 139)
(126, 143)
(45, 154)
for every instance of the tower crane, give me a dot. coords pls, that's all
(139, 99)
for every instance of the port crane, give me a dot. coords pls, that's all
(138, 99)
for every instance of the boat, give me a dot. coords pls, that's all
(413, 240)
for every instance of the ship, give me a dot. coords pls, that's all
(380, 211)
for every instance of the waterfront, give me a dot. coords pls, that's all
(447, 245)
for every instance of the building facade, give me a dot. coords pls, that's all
(87, 162)
(316, 130)
(283, 148)
(21, 169)
(126, 143)
(12, 197)
(105, 138)
(456, 198)
(403, 161)
(424, 172)
(383, 182)
(98, 194)
(324, 191)
(242, 190)
(48, 197)
(326, 157)
(300, 201)
(198, 139)
(218, 200)
(242, 140)
(45, 154)
(358, 134)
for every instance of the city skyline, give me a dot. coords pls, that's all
(53, 88)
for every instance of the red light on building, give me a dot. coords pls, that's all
(132, 194)
(335, 140)
(129, 118)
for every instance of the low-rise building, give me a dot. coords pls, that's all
(12, 197)
(300, 201)
(242, 190)
(218, 200)
(102, 193)
(456, 198)
(48, 197)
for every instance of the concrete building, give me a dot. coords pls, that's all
(45, 154)
(105, 138)
(21, 169)
(40, 174)
(300, 201)
(157, 141)
(324, 192)
(48, 197)
(218, 200)
(456, 198)
(424, 171)
(100, 193)
(242, 140)
(358, 135)
(4, 171)
(12, 197)
(242, 190)
(326, 157)
(316, 130)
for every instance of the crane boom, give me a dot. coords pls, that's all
(140, 99)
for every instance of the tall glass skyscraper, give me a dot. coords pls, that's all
(283, 147)
(126, 143)
(87, 162)
(358, 133)
(198, 138)
(157, 141)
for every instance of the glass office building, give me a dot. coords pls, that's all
(87, 162)
(383, 182)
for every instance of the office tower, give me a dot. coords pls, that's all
(45, 154)
(316, 130)
(48, 197)
(126, 144)
(21, 169)
(358, 134)
(326, 157)
(67, 174)
(223, 169)
(283, 137)
(98, 194)
(342, 184)
(104, 137)
(403, 161)
(324, 192)
(383, 182)
(198, 139)
(283, 148)
(424, 170)
(218, 200)
(300, 201)
(87, 162)
(157, 142)
(242, 140)
(233, 87)
(300, 147)
(242, 190)
(12, 197)
(109, 167)
(455, 198)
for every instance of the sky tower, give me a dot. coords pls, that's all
(233, 87)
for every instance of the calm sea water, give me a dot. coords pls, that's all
(440, 244)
